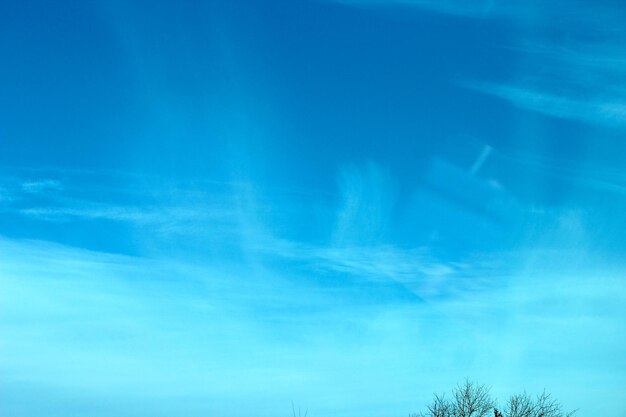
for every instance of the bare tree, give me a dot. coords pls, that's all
(520, 405)
(546, 406)
(468, 400)
(293, 408)
(439, 407)
(473, 400)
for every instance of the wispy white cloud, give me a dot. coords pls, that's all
(116, 197)
(590, 176)
(578, 79)
(203, 219)
(41, 185)
(579, 75)
(283, 322)
(136, 215)
(592, 110)
(414, 269)
(101, 324)
(535, 12)
(367, 202)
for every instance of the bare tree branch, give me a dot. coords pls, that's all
(473, 400)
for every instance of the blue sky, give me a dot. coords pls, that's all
(224, 207)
